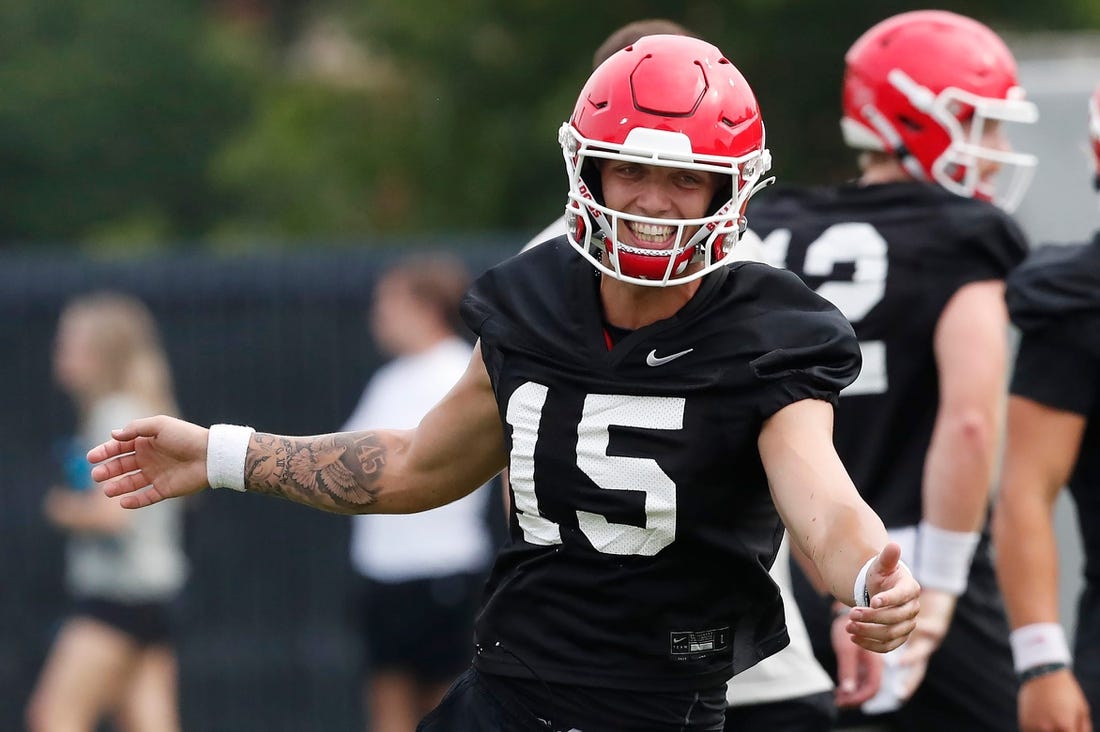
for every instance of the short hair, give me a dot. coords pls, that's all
(631, 32)
(439, 280)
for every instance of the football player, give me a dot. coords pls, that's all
(914, 252)
(788, 690)
(659, 412)
(1053, 440)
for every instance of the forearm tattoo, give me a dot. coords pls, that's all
(335, 472)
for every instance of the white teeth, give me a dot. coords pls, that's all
(653, 233)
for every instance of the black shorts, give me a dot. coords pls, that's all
(424, 627)
(148, 623)
(811, 713)
(469, 706)
(484, 703)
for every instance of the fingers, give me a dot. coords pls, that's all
(123, 439)
(109, 449)
(135, 489)
(853, 692)
(859, 674)
(880, 638)
(128, 483)
(878, 646)
(125, 463)
(888, 615)
(142, 498)
(905, 591)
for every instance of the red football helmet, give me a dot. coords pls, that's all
(673, 101)
(1094, 132)
(923, 85)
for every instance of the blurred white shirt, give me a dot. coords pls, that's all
(451, 539)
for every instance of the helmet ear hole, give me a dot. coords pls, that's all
(911, 124)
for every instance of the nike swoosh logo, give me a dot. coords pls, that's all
(654, 360)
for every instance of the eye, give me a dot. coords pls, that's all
(691, 179)
(628, 170)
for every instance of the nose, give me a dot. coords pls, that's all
(654, 197)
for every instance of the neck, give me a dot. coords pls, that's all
(633, 306)
(883, 169)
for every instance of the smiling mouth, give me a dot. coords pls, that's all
(654, 235)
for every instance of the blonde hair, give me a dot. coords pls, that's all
(127, 341)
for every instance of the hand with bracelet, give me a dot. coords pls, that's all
(943, 559)
(1050, 696)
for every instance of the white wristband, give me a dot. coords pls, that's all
(859, 590)
(1038, 644)
(226, 450)
(943, 557)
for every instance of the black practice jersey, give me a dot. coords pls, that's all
(642, 528)
(1054, 298)
(890, 257)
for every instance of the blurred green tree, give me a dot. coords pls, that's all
(243, 121)
(109, 113)
(447, 120)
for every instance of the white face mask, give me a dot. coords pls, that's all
(595, 226)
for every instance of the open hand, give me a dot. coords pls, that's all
(150, 460)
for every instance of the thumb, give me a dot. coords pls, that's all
(888, 558)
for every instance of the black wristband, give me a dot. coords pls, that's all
(1041, 670)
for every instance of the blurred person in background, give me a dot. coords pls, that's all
(915, 253)
(1053, 440)
(113, 656)
(423, 573)
(661, 414)
(789, 690)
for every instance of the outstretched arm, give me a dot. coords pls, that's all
(457, 447)
(832, 525)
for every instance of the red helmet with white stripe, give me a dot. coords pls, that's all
(669, 101)
(925, 86)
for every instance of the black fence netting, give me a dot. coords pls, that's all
(276, 341)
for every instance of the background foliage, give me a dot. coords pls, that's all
(227, 124)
